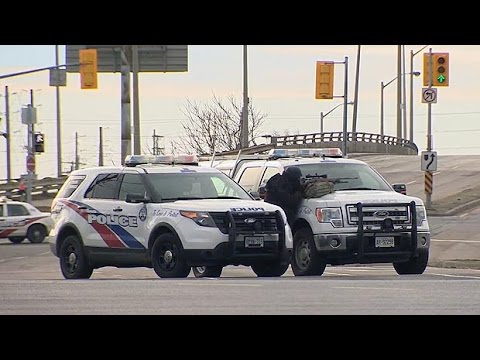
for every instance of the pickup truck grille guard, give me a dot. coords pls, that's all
(387, 226)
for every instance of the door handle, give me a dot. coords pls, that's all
(117, 209)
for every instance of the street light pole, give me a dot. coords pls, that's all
(412, 54)
(323, 116)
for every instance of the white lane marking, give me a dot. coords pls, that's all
(411, 182)
(457, 276)
(341, 274)
(45, 253)
(2, 260)
(218, 284)
(461, 241)
(19, 258)
(371, 288)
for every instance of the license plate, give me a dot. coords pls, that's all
(384, 241)
(253, 241)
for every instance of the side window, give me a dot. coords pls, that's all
(70, 185)
(269, 172)
(131, 184)
(105, 186)
(248, 179)
(17, 210)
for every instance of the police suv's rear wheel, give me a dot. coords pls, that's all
(73, 262)
(167, 257)
(306, 260)
(16, 239)
(207, 271)
(270, 269)
(36, 233)
(416, 265)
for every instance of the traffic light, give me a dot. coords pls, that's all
(39, 143)
(88, 68)
(324, 80)
(440, 66)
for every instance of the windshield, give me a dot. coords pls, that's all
(191, 186)
(346, 176)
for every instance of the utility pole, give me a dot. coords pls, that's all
(126, 135)
(100, 147)
(399, 92)
(404, 95)
(429, 174)
(77, 157)
(345, 103)
(59, 132)
(7, 135)
(136, 105)
(244, 122)
(355, 101)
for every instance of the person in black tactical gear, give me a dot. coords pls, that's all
(285, 191)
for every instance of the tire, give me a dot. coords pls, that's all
(207, 271)
(36, 233)
(73, 262)
(305, 259)
(16, 239)
(167, 257)
(416, 265)
(270, 269)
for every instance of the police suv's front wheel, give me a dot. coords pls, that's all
(167, 257)
(270, 269)
(207, 271)
(73, 262)
(305, 259)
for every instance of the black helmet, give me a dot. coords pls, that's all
(293, 173)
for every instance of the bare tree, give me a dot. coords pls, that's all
(215, 126)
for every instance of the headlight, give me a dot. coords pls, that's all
(200, 217)
(330, 215)
(421, 215)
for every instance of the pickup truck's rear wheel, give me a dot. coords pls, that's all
(306, 260)
(167, 259)
(270, 269)
(207, 271)
(416, 265)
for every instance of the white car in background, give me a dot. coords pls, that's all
(20, 220)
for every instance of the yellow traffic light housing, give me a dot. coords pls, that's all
(88, 68)
(324, 80)
(440, 69)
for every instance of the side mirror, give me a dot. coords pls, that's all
(255, 195)
(262, 191)
(136, 198)
(400, 188)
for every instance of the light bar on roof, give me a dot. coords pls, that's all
(134, 160)
(307, 152)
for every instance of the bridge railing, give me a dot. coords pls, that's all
(337, 136)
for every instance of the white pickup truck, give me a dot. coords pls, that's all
(363, 221)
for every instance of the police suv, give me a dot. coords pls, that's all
(363, 221)
(170, 217)
(20, 220)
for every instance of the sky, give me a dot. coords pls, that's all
(281, 84)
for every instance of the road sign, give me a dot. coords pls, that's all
(31, 163)
(429, 161)
(429, 95)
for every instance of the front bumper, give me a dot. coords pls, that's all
(352, 248)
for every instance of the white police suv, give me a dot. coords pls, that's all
(363, 221)
(169, 217)
(20, 220)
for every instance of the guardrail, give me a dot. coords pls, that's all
(41, 189)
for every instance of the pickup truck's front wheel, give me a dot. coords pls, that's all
(416, 265)
(306, 260)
